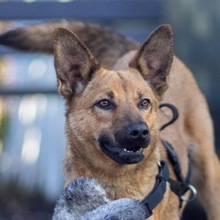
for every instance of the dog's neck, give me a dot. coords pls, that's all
(119, 181)
(132, 181)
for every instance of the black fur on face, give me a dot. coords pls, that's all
(128, 143)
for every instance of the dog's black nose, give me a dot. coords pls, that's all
(137, 132)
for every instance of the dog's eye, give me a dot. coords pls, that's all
(145, 103)
(105, 104)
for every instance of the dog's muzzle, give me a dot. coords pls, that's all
(128, 146)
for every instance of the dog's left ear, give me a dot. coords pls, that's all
(74, 63)
(154, 58)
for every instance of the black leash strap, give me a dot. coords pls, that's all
(175, 114)
(156, 195)
(181, 185)
(174, 160)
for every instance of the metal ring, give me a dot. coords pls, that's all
(159, 163)
(193, 194)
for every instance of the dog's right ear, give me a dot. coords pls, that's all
(74, 63)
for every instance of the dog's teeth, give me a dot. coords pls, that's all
(129, 151)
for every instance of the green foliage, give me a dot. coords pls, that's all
(4, 122)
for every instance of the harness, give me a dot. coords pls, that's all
(179, 186)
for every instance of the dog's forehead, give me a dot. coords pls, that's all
(121, 82)
(132, 79)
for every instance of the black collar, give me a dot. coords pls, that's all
(156, 195)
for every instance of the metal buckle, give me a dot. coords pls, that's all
(193, 194)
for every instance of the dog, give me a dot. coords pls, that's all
(112, 88)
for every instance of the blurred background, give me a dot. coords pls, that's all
(32, 140)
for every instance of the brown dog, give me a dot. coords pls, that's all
(112, 116)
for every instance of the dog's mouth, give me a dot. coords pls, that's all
(122, 155)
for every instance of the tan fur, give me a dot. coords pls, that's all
(83, 81)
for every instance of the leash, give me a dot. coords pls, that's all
(179, 186)
(174, 112)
